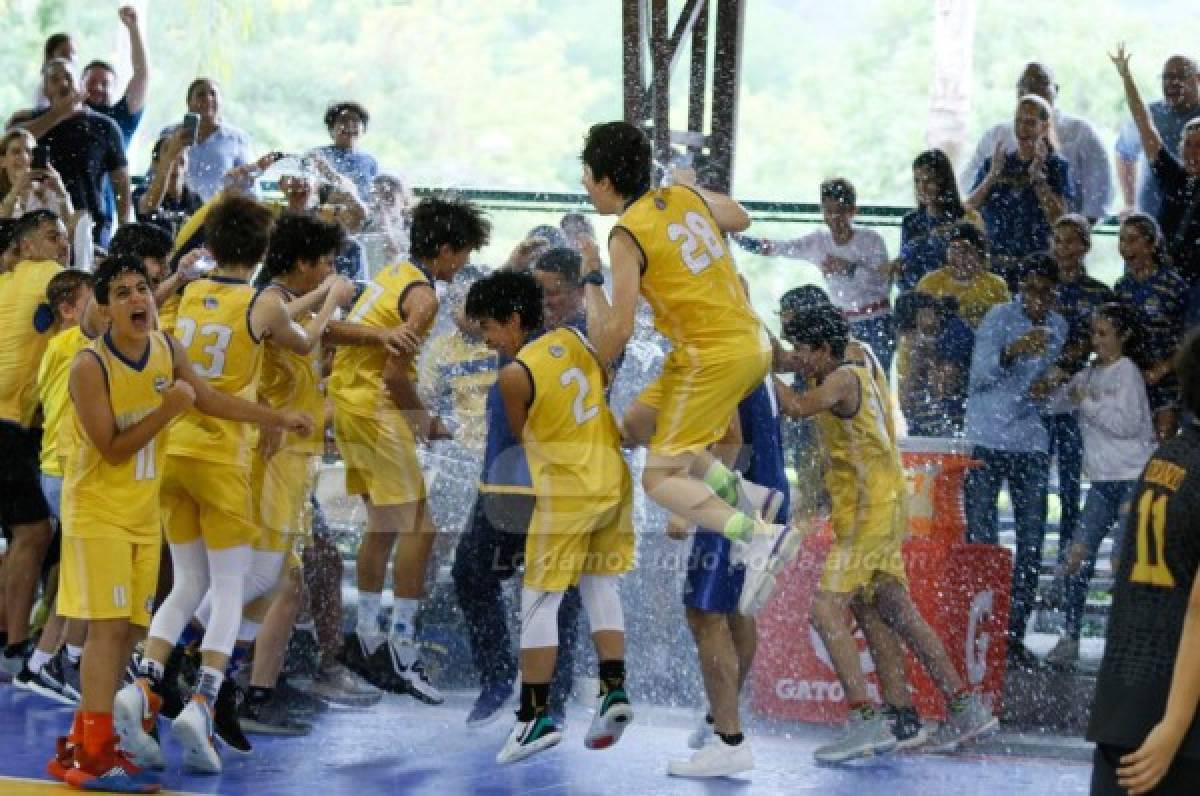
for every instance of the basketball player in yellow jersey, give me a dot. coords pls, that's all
(126, 387)
(206, 496)
(669, 245)
(864, 569)
(42, 249)
(581, 532)
(377, 419)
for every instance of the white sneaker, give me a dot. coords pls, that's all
(702, 733)
(863, 738)
(132, 713)
(770, 549)
(756, 500)
(410, 670)
(528, 738)
(193, 729)
(716, 759)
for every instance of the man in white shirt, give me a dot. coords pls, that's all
(1090, 172)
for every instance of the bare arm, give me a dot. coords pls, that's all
(611, 325)
(116, 447)
(120, 183)
(1151, 140)
(517, 392)
(1127, 178)
(840, 389)
(152, 199)
(274, 320)
(135, 92)
(730, 216)
(39, 125)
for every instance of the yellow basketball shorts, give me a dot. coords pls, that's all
(108, 577)
(282, 486)
(209, 501)
(867, 539)
(380, 454)
(570, 537)
(695, 398)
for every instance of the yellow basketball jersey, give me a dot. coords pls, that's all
(862, 464)
(356, 384)
(168, 311)
(97, 494)
(214, 327)
(570, 437)
(21, 291)
(293, 381)
(690, 279)
(53, 380)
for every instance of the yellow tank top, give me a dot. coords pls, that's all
(53, 380)
(292, 381)
(356, 383)
(570, 437)
(168, 312)
(21, 291)
(214, 328)
(862, 467)
(99, 497)
(690, 279)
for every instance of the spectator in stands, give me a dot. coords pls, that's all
(218, 148)
(57, 45)
(331, 197)
(933, 385)
(1118, 438)
(924, 232)
(23, 188)
(1180, 104)
(1160, 293)
(83, 146)
(164, 197)
(100, 82)
(1079, 295)
(1021, 193)
(1015, 346)
(346, 123)
(1079, 144)
(965, 276)
(1176, 175)
(854, 262)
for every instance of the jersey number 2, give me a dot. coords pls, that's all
(701, 244)
(582, 413)
(1150, 564)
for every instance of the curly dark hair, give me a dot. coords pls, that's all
(622, 153)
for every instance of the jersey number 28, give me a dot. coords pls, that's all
(701, 244)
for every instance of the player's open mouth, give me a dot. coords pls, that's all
(139, 317)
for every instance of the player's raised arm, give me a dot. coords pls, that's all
(275, 318)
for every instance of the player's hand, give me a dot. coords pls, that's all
(128, 16)
(299, 423)
(589, 251)
(195, 263)
(178, 398)
(402, 341)
(270, 440)
(1141, 770)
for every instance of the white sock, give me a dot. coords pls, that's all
(74, 653)
(403, 635)
(37, 660)
(368, 620)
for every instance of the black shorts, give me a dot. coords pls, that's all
(1180, 780)
(21, 499)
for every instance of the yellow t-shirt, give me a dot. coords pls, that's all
(99, 496)
(292, 381)
(356, 383)
(975, 297)
(690, 279)
(21, 291)
(214, 328)
(53, 380)
(570, 437)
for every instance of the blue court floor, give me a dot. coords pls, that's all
(403, 747)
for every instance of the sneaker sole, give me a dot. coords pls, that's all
(428, 699)
(868, 751)
(526, 752)
(199, 756)
(615, 722)
(678, 770)
(348, 700)
(280, 730)
(970, 737)
(137, 743)
(915, 742)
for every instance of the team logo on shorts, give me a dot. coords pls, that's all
(210, 303)
(160, 383)
(557, 351)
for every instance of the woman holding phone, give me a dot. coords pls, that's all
(27, 185)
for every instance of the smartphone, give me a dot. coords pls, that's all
(191, 123)
(39, 158)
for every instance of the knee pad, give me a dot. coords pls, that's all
(602, 602)
(539, 618)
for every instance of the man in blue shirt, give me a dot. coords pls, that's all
(346, 122)
(1015, 347)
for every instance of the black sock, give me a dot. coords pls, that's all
(3, 639)
(15, 650)
(733, 738)
(612, 675)
(708, 719)
(259, 696)
(533, 700)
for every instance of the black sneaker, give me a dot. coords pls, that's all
(906, 726)
(225, 718)
(48, 682)
(180, 674)
(375, 668)
(12, 659)
(70, 671)
(299, 703)
(303, 656)
(270, 717)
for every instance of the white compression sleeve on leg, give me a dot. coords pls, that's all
(189, 566)
(602, 602)
(265, 569)
(227, 571)
(539, 618)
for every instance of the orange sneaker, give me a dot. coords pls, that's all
(110, 771)
(63, 760)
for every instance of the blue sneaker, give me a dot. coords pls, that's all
(490, 704)
(119, 775)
